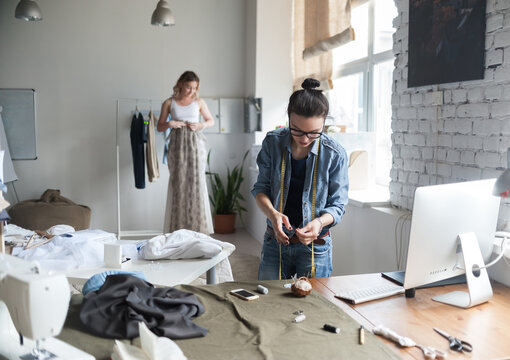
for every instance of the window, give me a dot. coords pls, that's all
(362, 79)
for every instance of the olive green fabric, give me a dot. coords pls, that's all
(257, 329)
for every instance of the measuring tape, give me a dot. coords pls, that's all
(314, 192)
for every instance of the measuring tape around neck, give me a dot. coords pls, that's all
(314, 193)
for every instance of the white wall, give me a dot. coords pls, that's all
(451, 132)
(84, 55)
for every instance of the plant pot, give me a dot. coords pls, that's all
(224, 223)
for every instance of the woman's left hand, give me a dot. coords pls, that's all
(309, 232)
(196, 126)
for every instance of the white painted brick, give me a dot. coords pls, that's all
(431, 139)
(408, 190)
(397, 46)
(505, 126)
(401, 125)
(393, 175)
(506, 92)
(431, 168)
(409, 152)
(488, 75)
(489, 173)
(430, 112)
(447, 96)
(502, 39)
(487, 159)
(494, 57)
(413, 178)
(494, 22)
(444, 170)
(506, 55)
(470, 110)
(459, 96)
(465, 172)
(414, 139)
(453, 156)
(489, 42)
(414, 165)
(476, 94)
(433, 98)
(395, 187)
(395, 100)
(499, 109)
(460, 142)
(493, 92)
(405, 45)
(506, 21)
(398, 163)
(491, 143)
(402, 176)
(504, 144)
(417, 99)
(405, 100)
(401, 86)
(424, 180)
(427, 153)
(395, 150)
(486, 127)
(406, 113)
(398, 138)
(490, 6)
(413, 126)
(444, 140)
(467, 157)
(424, 126)
(405, 73)
(397, 74)
(501, 5)
(441, 154)
(397, 21)
(502, 74)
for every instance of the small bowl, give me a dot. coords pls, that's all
(300, 292)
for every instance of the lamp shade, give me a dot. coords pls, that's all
(162, 16)
(28, 10)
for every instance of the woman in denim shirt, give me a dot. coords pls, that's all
(295, 237)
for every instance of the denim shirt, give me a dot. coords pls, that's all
(332, 181)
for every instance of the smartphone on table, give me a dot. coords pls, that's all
(244, 294)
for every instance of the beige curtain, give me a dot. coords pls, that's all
(319, 26)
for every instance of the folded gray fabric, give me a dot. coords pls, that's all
(115, 309)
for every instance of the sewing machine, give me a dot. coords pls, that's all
(33, 309)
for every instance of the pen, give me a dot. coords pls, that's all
(361, 335)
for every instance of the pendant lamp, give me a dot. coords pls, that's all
(162, 16)
(28, 10)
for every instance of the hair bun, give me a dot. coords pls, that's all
(310, 84)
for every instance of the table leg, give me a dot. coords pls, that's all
(211, 275)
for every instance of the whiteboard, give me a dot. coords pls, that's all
(18, 116)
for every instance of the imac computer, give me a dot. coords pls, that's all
(452, 233)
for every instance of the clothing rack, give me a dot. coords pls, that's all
(135, 101)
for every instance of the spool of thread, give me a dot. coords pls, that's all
(361, 335)
(300, 318)
(262, 290)
(331, 328)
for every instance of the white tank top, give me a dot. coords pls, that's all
(189, 113)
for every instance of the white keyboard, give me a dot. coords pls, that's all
(360, 295)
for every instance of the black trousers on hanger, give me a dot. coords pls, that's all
(137, 135)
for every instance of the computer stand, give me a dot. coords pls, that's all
(479, 286)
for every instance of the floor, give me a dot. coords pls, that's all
(246, 258)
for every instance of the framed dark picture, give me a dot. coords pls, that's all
(446, 41)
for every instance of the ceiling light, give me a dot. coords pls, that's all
(162, 16)
(28, 10)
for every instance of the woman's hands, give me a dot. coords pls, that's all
(277, 220)
(310, 231)
(196, 126)
(175, 124)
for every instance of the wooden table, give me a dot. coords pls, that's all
(486, 326)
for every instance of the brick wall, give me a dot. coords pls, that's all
(450, 132)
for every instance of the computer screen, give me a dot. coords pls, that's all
(440, 214)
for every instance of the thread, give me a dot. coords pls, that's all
(299, 318)
(331, 328)
(262, 290)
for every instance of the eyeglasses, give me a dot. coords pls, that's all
(309, 134)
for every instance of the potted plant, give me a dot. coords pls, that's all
(226, 199)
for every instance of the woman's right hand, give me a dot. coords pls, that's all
(277, 220)
(173, 124)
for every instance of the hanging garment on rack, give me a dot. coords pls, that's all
(187, 200)
(137, 149)
(152, 157)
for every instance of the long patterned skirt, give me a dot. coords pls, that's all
(187, 204)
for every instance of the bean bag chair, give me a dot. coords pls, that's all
(51, 209)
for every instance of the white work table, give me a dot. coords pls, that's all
(159, 272)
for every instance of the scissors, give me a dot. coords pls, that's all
(455, 343)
